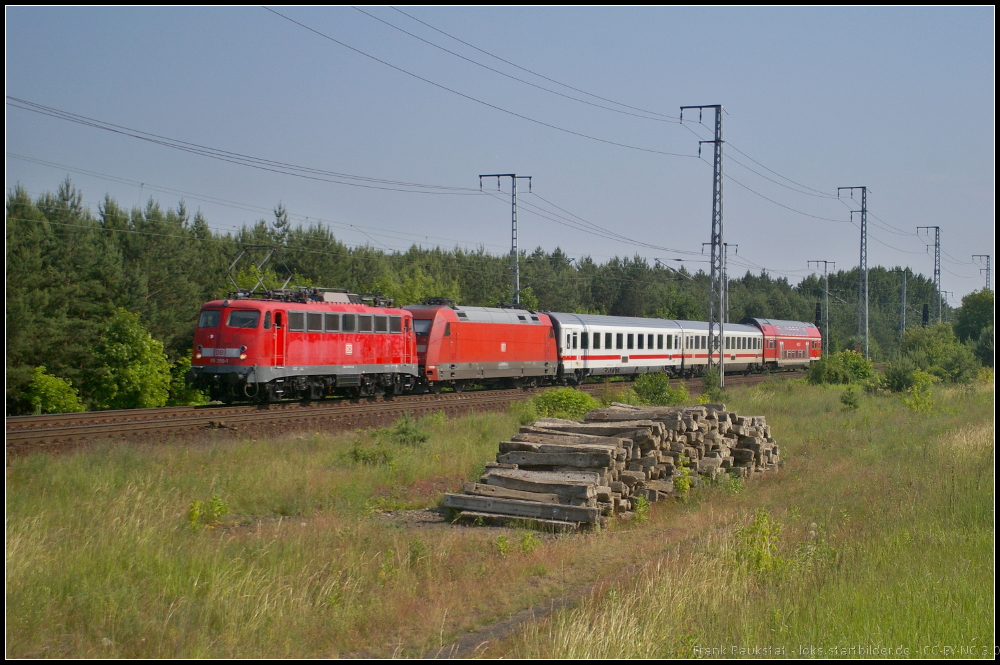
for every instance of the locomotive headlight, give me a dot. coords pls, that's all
(198, 355)
(243, 353)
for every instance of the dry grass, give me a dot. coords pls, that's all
(102, 559)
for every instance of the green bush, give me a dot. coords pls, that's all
(850, 400)
(133, 372)
(654, 389)
(564, 403)
(181, 394)
(899, 375)
(936, 350)
(844, 367)
(51, 394)
(405, 432)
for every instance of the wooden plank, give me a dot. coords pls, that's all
(517, 508)
(478, 489)
(559, 477)
(600, 429)
(581, 460)
(564, 492)
(545, 436)
(559, 526)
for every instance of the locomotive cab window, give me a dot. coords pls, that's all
(395, 324)
(296, 321)
(350, 322)
(421, 326)
(365, 323)
(267, 320)
(209, 318)
(314, 321)
(243, 318)
(381, 324)
(333, 322)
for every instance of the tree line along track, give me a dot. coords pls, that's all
(58, 432)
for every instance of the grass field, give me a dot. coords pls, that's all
(878, 533)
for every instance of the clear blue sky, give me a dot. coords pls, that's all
(898, 99)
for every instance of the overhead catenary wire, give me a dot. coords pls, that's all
(519, 80)
(533, 73)
(477, 100)
(273, 166)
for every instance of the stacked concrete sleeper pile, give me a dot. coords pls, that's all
(564, 475)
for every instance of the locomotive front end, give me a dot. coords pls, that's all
(227, 348)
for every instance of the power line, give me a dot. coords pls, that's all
(242, 159)
(551, 80)
(243, 206)
(514, 78)
(474, 99)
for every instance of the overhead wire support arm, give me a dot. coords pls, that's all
(515, 265)
(826, 301)
(986, 258)
(716, 299)
(937, 261)
(862, 265)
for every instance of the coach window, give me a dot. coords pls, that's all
(584, 340)
(631, 341)
(296, 321)
(333, 322)
(597, 340)
(727, 342)
(267, 320)
(395, 324)
(670, 342)
(619, 341)
(381, 324)
(569, 341)
(704, 342)
(364, 323)
(641, 340)
(350, 323)
(607, 340)
(314, 321)
(574, 340)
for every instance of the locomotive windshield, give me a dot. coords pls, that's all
(421, 326)
(243, 318)
(209, 318)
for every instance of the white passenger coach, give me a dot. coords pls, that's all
(595, 345)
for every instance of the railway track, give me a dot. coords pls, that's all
(57, 432)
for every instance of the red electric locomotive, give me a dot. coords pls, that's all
(483, 345)
(304, 343)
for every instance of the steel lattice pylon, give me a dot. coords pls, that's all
(717, 290)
